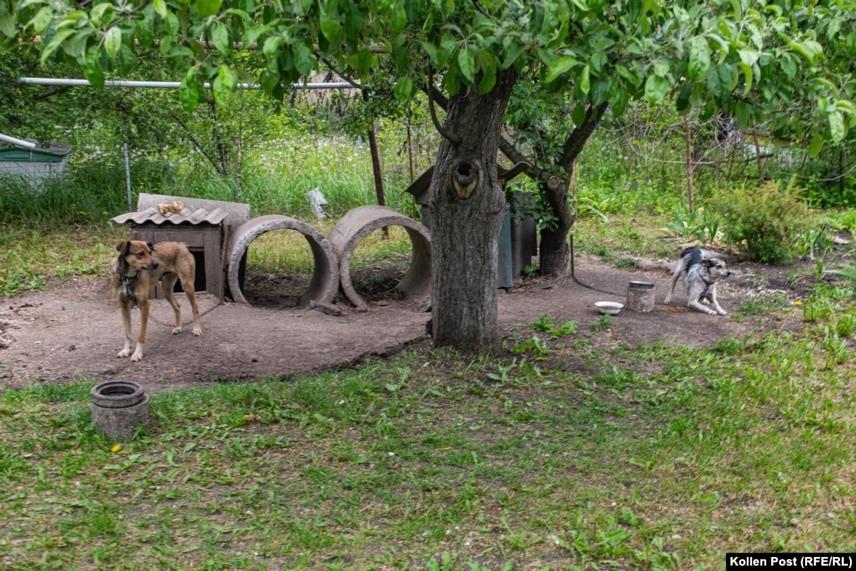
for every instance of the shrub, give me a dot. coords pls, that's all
(765, 223)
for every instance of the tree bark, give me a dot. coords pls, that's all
(554, 252)
(467, 204)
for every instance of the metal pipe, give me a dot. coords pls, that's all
(168, 84)
(18, 142)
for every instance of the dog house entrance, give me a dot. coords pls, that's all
(199, 282)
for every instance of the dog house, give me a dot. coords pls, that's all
(204, 225)
(36, 166)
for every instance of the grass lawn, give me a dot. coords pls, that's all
(32, 255)
(581, 453)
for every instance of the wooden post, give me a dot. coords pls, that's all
(689, 141)
(376, 170)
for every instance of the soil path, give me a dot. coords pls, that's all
(73, 330)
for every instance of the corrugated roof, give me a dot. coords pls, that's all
(186, 216)
(55, 149)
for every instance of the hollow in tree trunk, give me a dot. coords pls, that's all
(467, 205)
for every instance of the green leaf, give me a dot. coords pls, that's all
(585, 80)
(661, 69)
(303, 60)
(816, 145)
(330, 25)
(98, 13)
(512, 52)
(487, 65)
(578, 115)
(190, 91)
(56, 41)
(7, 25)
(836, 125)
(207, 7)
(41, 20)
(224, 84)
(656, 88)
(467, 64)
(748, 57)
(747, 76)
(431, 50)
(399, 18)
(171, 23)
(403, 89)
(808, 49)
(559, 66)
(682, 101)
(92, 68)
(113, 41)
(220, 38)
(699, 59)
(743, 114)
(364, 61)
(160, 7)
(271, 46)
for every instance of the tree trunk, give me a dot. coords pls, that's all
(554, 252)
(554, 245)
(467, 205)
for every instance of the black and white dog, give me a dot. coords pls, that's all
(701, 271)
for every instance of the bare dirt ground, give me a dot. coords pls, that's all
(74, 330)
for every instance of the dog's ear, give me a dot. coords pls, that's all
(123, 247)
(707, 263)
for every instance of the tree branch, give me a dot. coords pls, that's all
(343, 76)
(193, 141)
(452, 138)
(578, 137)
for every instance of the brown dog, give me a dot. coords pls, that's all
(137, 269)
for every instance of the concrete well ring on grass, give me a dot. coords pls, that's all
(325, 275)
(359, 222)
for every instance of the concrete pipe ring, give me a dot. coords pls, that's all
(325, 275)
(359, 222)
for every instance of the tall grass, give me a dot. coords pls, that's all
(275, 180)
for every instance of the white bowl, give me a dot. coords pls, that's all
(609, 307)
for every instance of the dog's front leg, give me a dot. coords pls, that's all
(141, 340)
(694, 295)
(126, 321)
(715, 301)
(694, 304)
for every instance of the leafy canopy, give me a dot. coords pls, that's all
(713, 54)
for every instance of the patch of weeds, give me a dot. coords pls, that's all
(553, 328)
(530, 271)
(762, 305)
(836, 350)
(503, 374)
(727, 346)
(534, 346)
(845, 325)
(626, 262)
(817, 309)
(602, 323)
